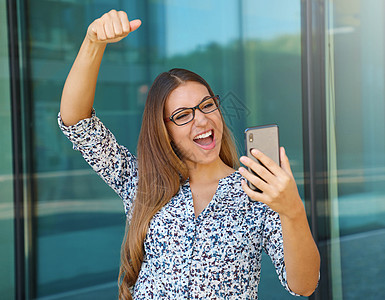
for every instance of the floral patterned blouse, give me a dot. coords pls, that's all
(216, 255)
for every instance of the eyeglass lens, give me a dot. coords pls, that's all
(186, 115)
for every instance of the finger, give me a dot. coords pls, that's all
(116, 23)
(285, 163)
(135, 24)
(92, 31)
(256, 181)
(253, 195)
(109, 28)
(259, 169)
(124, 21)
(266, 161)
(101, 34)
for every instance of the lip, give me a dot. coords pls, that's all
(209, 146)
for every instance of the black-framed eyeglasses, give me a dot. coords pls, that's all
(186, 115)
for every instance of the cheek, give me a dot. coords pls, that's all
(219, 123)
(177, 135)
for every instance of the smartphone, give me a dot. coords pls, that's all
(264, 138)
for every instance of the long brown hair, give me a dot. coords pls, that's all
(160, 170)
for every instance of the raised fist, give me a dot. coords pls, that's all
(111, 27)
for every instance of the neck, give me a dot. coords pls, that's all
(208, 173)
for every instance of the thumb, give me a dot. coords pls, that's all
(285, 164)
(135, 24)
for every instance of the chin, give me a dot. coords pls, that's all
(203, 159)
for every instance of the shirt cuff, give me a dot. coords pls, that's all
(85, 133)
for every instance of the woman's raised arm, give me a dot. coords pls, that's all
(79, 89)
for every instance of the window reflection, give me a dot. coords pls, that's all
(359, 206)
(249, 51)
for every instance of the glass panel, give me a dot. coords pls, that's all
(357, 143)
(249, 51)
(7, 259)
(79, 219)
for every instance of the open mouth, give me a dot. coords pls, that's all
(205, 139)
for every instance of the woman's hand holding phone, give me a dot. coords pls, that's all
(278, 188)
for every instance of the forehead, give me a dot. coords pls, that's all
(188, 94)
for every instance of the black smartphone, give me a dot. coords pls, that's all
(264, 138)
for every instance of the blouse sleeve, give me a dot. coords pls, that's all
(273, 245)
(111, 161)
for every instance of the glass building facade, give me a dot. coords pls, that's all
(316, 68)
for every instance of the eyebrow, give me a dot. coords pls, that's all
(184, 107)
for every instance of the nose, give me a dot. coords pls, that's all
(200, 118)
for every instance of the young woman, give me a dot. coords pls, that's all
(192, 231)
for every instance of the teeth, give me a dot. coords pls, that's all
(203, 135)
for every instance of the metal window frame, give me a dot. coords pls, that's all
(21, 147)
(18, 184)
(314, 133)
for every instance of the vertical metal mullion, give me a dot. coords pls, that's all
(314, 132)
(307, 88)
(17, 149)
